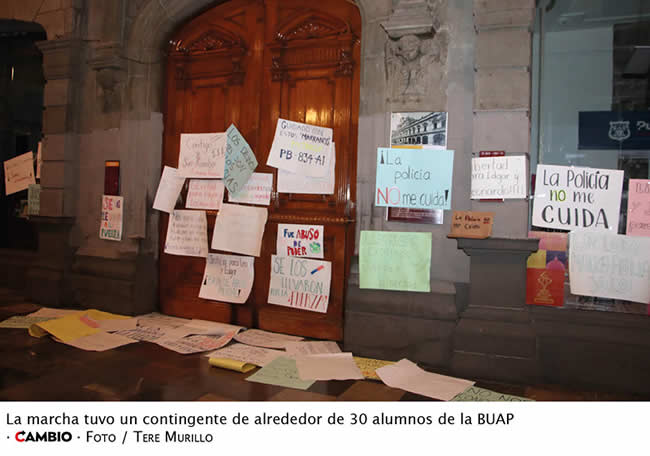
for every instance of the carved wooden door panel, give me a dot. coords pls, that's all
(251, 62)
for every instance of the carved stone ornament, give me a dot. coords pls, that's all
(416, 52)
(110, 75)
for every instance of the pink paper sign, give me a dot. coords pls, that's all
(638, 208)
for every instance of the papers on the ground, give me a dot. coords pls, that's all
(246, 354)
(110, 227)
(638, 208)
(476, 394)
(301, 148)
(408, 376)
(187, 234)
(300, 240)
(169, 188)
(395, 261)
(568, 197)
(240, 160)
(153, 326)
(204, 194)
(196, 344)
(239, 229)
(257, 190)
(19, 173)
(47, 312)
(72, 326)
(100, 341)
(202, 155)
(231, 364)
(227, 278)
(300, 283)
(200, 327)
(118, 325)
(289, 182)
(499, 177)
(311, 348)
(260, 338)
(328, 366)
(414, 179)
(21, 321)
(609, 265)
(34, 199)
(281, 371)
(368, 366)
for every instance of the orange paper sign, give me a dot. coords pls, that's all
(469, 224)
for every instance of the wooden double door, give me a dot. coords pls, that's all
(250, 62)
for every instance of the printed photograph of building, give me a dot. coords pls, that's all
(424, 128)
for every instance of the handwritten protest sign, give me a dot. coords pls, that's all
(300, 240)
(638, 208)
(187, 234)
(301, 148)
(300, 283)
(568, 197)
(413, 178)
(609, 265)
(227, 278)
(257, 190)
(240, 160)
(112, 213)
(289, 182)
(19, 173)
(169, 188)
(395, 261)
(205, 194)
(239, 229)
(34, 199)
(473, 225)
(499, 177)
(202, 155)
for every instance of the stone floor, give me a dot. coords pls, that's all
(42, 369)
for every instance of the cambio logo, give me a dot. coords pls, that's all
(23, 436)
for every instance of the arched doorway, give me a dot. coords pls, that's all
(250, 62)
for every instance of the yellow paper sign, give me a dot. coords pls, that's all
(73, 326)
(470, 224)
(367, 366)
(231, 364)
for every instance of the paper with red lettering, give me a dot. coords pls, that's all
(202, 155)
(300, 283)
(19, 173)
(257, 190)
(205, 194)
(111, 223)
(638, 208)
(300, 240)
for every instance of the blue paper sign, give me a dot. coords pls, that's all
(414, 178)
(240, 161)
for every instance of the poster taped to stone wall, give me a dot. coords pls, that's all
(187, 234)
(300, 240)
(395, 261)
(301, 148)
(257, 190)
(227, 278)
(169, 188)
(112, 216)
(568, 197)
(412, 178)
(289, 182)
(19, 173)
(205, 194)
(499, 177)
(202, 155)
(240, 160)
(300, 283)
(239, 229)
(34, 199)
(609, 265)
(638, 208)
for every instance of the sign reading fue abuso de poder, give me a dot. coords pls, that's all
(414, 178)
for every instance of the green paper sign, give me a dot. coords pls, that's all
(395, 261)
(282, 371)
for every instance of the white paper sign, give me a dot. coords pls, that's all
(256, 191)
(247, 354)
(187, 234)
(202, 155)
(289, 182)
(169, 188)
(300, 240)
(267, 339)
(499, 177)
(301, 148)
(19, 173)
(239, 229)
(110, 226)
(609, 265)
(317, 347)
(205, 194)
(300, 283)
(227, 278)
(328, 366)
(568, 197)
